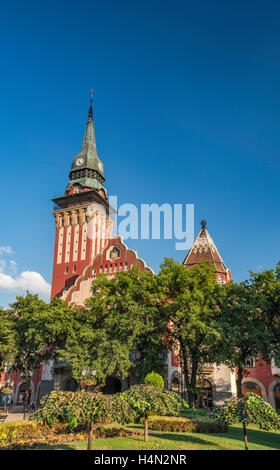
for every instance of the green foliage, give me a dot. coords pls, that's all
(250, 322)
(82, 408)
(30, 331)
(190, 300)
(154, 379)
(7, 339)
(171, 424)
(251, 408)
(146, 400)
(27, 328)
(119, 317)
(194, 412)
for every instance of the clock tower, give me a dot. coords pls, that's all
(83, 216)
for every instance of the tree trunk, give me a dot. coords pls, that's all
(90, 432)
(146, 429)
(26, 396)
(245, 436)
(239, 382)
(185, 372)
(5, 404)
(193, 384)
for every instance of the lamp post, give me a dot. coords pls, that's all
(88, 377)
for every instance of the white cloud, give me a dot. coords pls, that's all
(27, 280)
(6, 249)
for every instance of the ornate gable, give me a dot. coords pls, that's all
(116, 256)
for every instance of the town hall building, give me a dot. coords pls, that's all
(85, 247)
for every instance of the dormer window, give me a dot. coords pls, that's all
(115, 253)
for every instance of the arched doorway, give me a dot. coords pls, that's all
(22, 393)
(204, 396)
(175, 385)
(70, 385)
(276, 393)
(113, 385)
(251, 387)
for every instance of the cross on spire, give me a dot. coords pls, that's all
(90, 113)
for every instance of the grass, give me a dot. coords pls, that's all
(233, 440)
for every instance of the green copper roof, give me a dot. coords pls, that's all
(87, 168)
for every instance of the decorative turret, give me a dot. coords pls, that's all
(87, 169)
(205, 249)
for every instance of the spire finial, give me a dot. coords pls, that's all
(203, 223)
(90, 113)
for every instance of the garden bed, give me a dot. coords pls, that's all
(29, 434)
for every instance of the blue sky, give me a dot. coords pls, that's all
(186, 111)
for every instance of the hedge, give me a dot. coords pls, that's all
(167, 423)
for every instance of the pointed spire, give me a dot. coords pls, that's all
(204, 248)
(87, 168)
(89, 142)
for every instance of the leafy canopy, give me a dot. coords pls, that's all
(82, 408)
(31, 330)
(119, 312)
(147, 400)
(190, 300)
(250, 408)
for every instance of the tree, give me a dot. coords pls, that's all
(111, 325)
(244, 327)
(147, 400)
(7, 339)
(267, 284)
(250, 408)
(35, 330)
(83, 409)
(190, 302)
(154, 379)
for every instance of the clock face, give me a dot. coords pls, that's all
(80, 161)
(100, 166)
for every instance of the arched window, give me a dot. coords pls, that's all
(21, 394)
(115, 253)
(204, 398)
(113, 385)
(251, 387)
(70, 385)
(175, 386)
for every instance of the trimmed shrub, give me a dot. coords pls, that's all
(172, 424)
(79, 408)
(147, 400)
(154, 379)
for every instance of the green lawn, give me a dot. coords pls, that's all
(233, 440)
